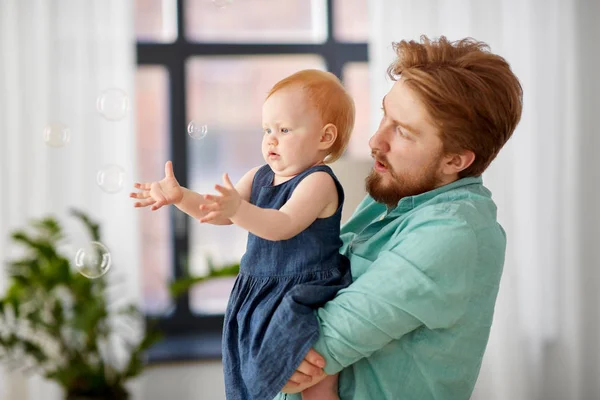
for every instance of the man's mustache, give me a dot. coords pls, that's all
(379, 159)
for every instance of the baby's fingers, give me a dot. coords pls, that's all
(144, 203)
(227, 181)
(210, 216)
(223, 190)
(210, 207)
(143, 186)
(139, 195)
(158, 205)
(213, 198)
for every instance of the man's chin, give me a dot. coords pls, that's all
(381, 189)
(389, 198)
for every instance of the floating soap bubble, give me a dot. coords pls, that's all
(111, 178)
(197, 131)
(113, 104)
(93, 260)
(57, 134)
(222, 3)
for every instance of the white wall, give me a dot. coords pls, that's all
(351, 175)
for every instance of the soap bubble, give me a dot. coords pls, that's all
(197, 131)
(57, 134)
(222, 3)
(111, 178)
(113, 104)
(93, 260)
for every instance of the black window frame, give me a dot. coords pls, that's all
(189, 336)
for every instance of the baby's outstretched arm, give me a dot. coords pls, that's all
(168, 191)
(190, 204)
(315, 194)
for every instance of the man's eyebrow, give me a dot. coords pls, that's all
(402, 124)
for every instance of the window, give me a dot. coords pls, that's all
(212, 62)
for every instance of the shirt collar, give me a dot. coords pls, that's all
(410, 202)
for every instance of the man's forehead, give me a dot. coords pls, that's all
(402, 105)
(397, 105)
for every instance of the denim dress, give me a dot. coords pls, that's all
(270, 323)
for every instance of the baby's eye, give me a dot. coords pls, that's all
(284, 130)
(267, 131)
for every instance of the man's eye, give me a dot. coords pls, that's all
(402, 132)
(284, 130)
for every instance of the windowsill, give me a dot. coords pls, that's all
(188, 347)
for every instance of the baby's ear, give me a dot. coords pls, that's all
(328, 136)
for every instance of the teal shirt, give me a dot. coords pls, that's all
(415, 322)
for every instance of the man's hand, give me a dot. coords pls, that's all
(309, 373)
(223, 206)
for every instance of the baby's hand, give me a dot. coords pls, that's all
(223, 206)
(161, 193)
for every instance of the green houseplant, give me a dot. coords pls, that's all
(58, 323)
(181, 286)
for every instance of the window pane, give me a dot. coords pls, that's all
(264, 21)
(226, 94)
(156, 20)
(356, 80)
(152, 138)
(351, 20)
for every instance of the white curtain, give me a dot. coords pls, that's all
(546, 183)
(56, 58)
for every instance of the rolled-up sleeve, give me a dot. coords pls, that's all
(424, 279)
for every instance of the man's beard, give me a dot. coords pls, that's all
(397, 187)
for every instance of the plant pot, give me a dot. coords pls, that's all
(117, 395)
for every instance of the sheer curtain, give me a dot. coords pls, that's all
(56, 58)
(543, 343)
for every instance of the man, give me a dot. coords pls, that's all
(425, 248)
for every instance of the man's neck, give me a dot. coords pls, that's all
(446, 179)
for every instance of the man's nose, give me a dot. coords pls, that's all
(378, 142)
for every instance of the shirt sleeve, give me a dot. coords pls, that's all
(424, 279)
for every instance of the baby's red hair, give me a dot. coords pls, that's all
(329, 97)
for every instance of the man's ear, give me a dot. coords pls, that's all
(456, 162)
(328, 136)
